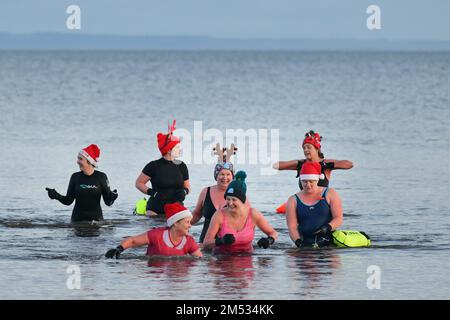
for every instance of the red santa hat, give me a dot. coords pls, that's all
(312, 138)
(91, 153)
(311, 171)
(174, 212)
(167, 142)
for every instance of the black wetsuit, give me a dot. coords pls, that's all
(323, 165)
(86, 191)
(208, 211)
(167, 178)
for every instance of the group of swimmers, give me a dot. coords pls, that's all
(229, 218)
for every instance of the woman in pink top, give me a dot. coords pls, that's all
(232, 228)
(173, 240)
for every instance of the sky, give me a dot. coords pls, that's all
(275, 19)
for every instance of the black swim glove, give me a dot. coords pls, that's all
(114, 195)
(157, 195)
(265, 242)
(53, 194)
(324, 230)
(180, 195)
(114, 252)
(299, 243)
(227, 240)
(151, 192)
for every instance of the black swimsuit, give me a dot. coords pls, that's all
(208, 211)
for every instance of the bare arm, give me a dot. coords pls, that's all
(341, 164)
(197, 213)
(136, 241)
(198, 253)
(337, 212)
(263, 224)
(187, 185)
(141, 182)
(291, 219)
(286, 165)
(213, 230)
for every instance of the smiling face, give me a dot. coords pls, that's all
(233, 203)
(224, 178)
(83, 163)
(182, 226)
(310, 152)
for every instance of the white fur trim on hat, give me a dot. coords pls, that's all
(178, 216)
(309, 177)
(88, 158)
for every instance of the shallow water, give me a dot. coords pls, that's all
(387, 112)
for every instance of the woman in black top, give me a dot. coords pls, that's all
(86, 187)
(169, 177)
(312, 151)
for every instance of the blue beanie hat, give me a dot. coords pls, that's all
(237, 188)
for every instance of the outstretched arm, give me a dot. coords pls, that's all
(70, 195)
(286, 165)
(136, 241)
(340, 164)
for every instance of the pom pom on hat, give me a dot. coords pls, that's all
(237, 188)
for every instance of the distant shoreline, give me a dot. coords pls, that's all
(83, 42)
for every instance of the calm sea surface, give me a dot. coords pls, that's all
(386, 112)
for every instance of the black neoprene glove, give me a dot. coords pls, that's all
(114, 252)
(323, 230)
(151, 192)
(227, 240)
(114, 195)
(265, 242)
(53, 194)
(299, 243)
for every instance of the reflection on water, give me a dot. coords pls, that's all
(315, 267)
(231, 273)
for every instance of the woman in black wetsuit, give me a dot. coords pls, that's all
(86, 187)
(212, 198)
(169, 177)
(312, 151)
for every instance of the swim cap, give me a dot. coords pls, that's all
(220, 166)
(313, 138)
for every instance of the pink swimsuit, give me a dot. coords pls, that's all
(244, 238)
